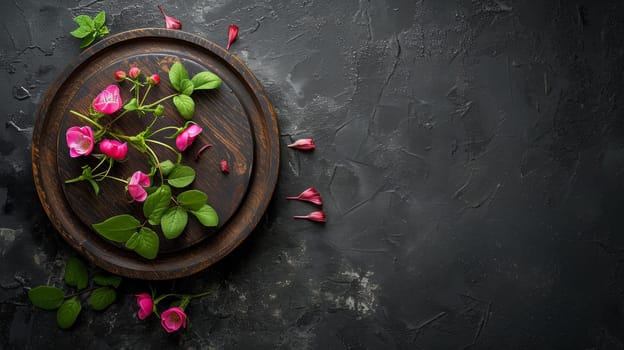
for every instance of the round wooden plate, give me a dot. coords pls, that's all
(237, 119)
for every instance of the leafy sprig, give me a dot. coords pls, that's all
(90, 29)
(179, 77)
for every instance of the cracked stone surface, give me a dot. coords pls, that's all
(470, 154)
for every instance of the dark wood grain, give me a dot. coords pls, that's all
(237, 119)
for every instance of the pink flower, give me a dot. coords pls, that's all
(170, 22)
(310, 195)
(79, 140)
(114, 149)
(108, 101)
(134, 72)
(120, 75)
(303, 145)
(173, 319)
(318, 216)
(187, 136)
(153, 79)
(136, 186)
(146, 305)
(232, 34)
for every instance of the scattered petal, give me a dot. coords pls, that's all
(202, 149)
(225, 168)
(232, 35)
(317, 216)
(310, 195)
(303, 144)
(170, 22)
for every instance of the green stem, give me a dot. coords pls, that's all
(104, 174)
(199, 295)
(167, 147)
(161, 100)
(116, 118)
(116, 178)
(84, 117)
(157, 162)
(76, 179)
(165, 128)
(81, 292)
(149, 87)
(100, 163)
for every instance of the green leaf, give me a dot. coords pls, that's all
(181, 176)
(185, 106)
(156, 204)
(99, 20)
(173, 222)
(186, 87)
(206, 81)
(132, 105)
(103, 31)
(80, 32)
(107, 280)
(102, 298)
(192, 199)
(76, 274)
(148, 243)
(96, 187)
(46, 297)
(166, 167)
(85, 22)
(117, 228)
(68, 313)
(177, 73)
(207, 216)
(88, 40)
(133, 241)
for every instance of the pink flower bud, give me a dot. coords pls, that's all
(318, 216)
(187, 136)
(120, 75)
(108, 101)
(170, 22)
(146, 305)
(153, 79)
(114, 149)
(232, 35)
(136, 186)
(310, 195)
(225, 168)
(303, 145)
(134, 72)
(79, 140)
(173, 319)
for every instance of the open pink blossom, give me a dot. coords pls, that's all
(146, 305)
(108, 101)
(170, 22)
(114, 149)
(136, 186)
(187, 136)
(79, 140)
(173, 319)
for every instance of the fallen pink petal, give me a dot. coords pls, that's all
(225, 168)
(317, 216)
(136, 186)
(310, 195)
(173, 319)
(79, 140)
(170, 22)
(187, 136)
(108, 101)
(303, 144)
(114, 149)
(201, 150)
(232, 35)
(146, 305)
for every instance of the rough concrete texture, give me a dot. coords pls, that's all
(470, 154)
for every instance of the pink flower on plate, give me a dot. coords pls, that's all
(114, 149)
(79, 140)
(108, 101)
(146, 305)
(173, 319)
(187, 136)
(136, 186)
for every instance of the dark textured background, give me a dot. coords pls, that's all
(470, 154)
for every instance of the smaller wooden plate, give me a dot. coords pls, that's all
(238, 120)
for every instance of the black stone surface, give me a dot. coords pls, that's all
(470, 155)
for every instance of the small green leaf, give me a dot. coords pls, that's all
(117, 228)
(99, 20)
(156, 204)
(166, 167)
(173, 222)
(185, 106)
(192, 199)
(177, 73)
(102, 298)
(95, 186)
(186, 87)
(132, 105)
(46, 297)
(133, 241)
(207, 216)
(80, 32)
(181, 176)
(206, 81)
(76, 274)
(67, 314)
(85, 22)
(148, 243)
(88, 40)
(103, 31)
(107, 280)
